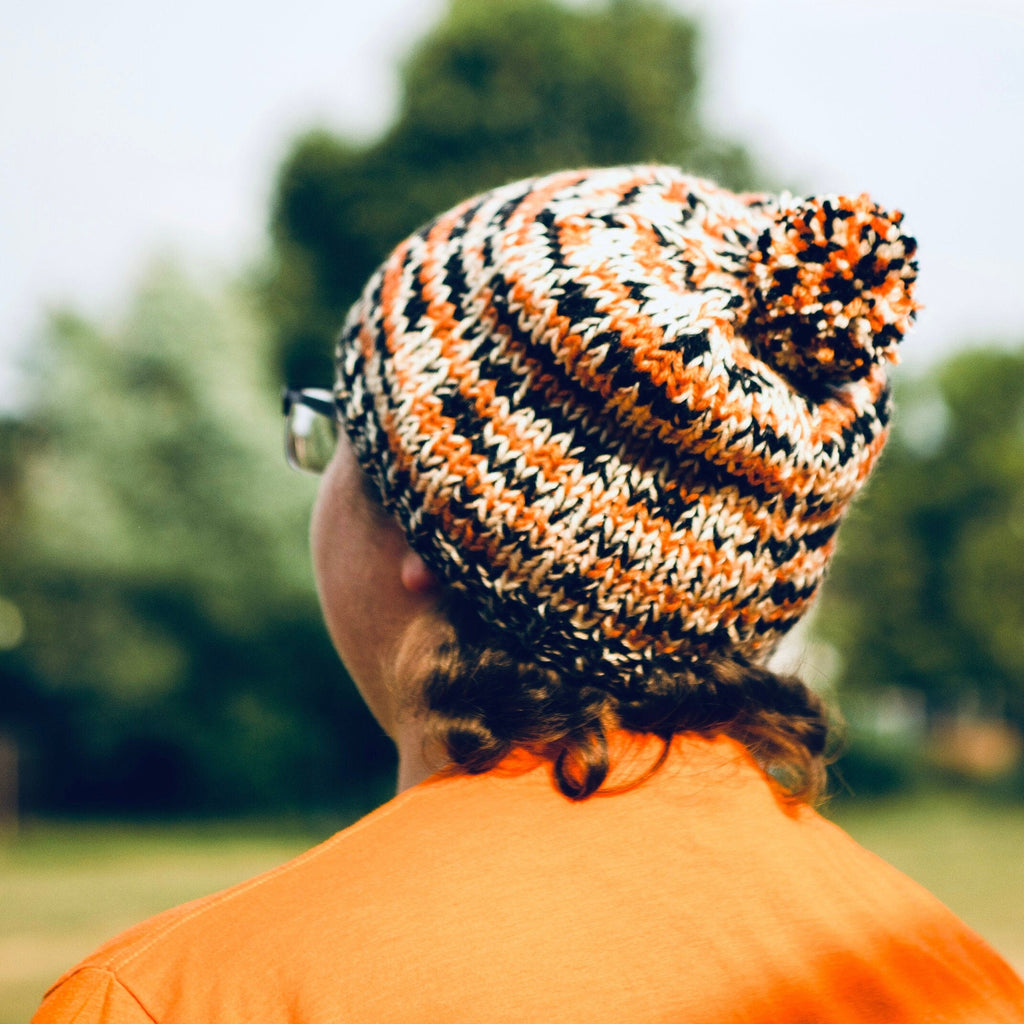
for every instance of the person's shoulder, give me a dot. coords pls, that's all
(251, 926)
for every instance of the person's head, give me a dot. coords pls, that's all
(616, 417)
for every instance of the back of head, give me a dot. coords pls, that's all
(621, 413)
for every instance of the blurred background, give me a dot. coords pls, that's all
(191, 195)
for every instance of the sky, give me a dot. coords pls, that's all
(129, 130)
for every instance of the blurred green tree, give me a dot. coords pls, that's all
(927, 591)
(160, 642)
(155, 553)
(500, 89)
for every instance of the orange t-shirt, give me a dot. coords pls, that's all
(697, 897)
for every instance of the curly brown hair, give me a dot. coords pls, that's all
(482, 699)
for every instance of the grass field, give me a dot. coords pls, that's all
(66, 887)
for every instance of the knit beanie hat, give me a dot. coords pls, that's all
(622, 411)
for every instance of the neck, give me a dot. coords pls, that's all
(418, 758)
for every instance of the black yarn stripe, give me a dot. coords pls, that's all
(458, 409)
(553, 635)
(571, 584)
(578, 305)
(668, 506)
(587, 405)
(713, 474)
(543, 355)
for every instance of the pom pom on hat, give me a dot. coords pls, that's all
(833, 280)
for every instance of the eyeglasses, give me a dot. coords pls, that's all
(310, 428)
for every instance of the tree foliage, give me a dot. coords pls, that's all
(160, 642)
(155, 551)
(500, 89)
(927, 592)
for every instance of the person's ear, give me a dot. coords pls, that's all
(416, 576)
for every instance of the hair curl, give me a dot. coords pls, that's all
(482, 700)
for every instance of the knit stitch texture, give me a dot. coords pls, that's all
(623, 411)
